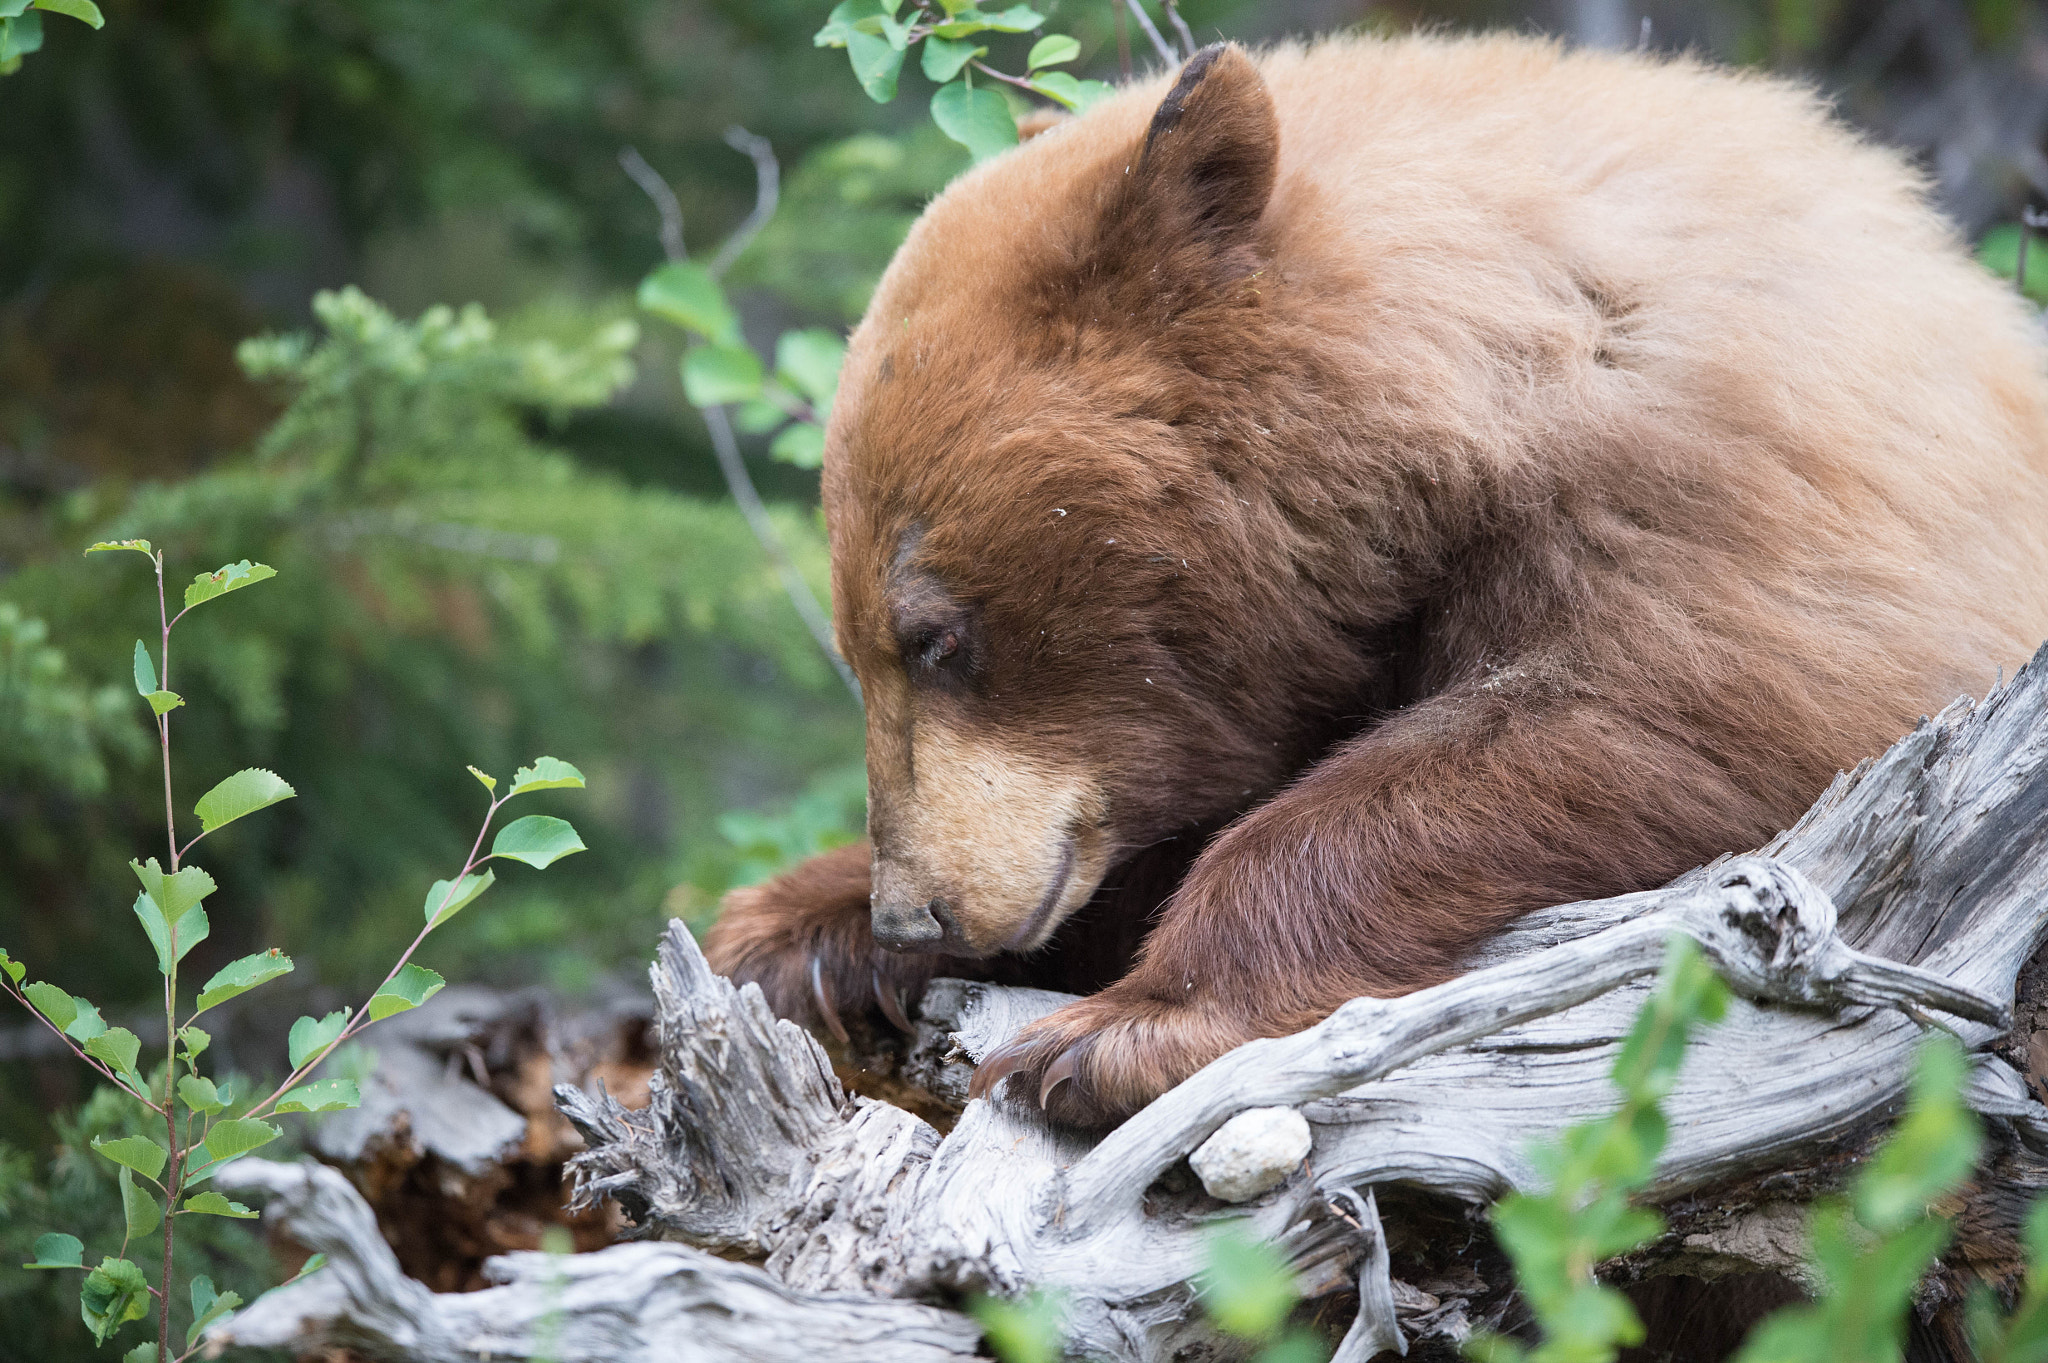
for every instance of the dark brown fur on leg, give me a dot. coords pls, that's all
(804, 938)
(1393, 857)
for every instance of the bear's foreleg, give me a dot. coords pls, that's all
(1375, 874)
(804, 937)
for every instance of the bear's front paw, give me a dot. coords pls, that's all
(1095, 1062)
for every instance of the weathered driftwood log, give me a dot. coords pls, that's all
(1910, 896)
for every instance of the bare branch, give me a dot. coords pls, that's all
(665, 201)
(1180, 25)
(767, 193)
(1159, 44)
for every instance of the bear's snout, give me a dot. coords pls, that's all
(912, 927)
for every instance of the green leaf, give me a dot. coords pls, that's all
(966, 23)
(490, 782)
(145, 671)
(15, 969)
(238, 1136)
(142, 1353)
(220, 582)
(943, 57)
(20, 36)
(1032, 1330)
(1015, 19)
(55, 1249)
(978, 120)
(209, 1306)
(112, 1294)
(173, 894)
(840, 23)
(163, 702)
(118, 1047)
(801, 444)
(714, 374)
(192, 929)
(53, 1003)
(239, 977)
(139, 546)
(139, 1153)
(88, 1024)
(200, 1095)
(758, 417)
(85, 11)
(196, 1041)
(1247, 1287)
(409, 988)
(877, 62)
(538, 840)
(142, 1211)
(312, 1265)
(216, 1204)
(447, 899)
(687, 295)
(809, 361)
(1078, 95)
(247, 791)
(328, 1095)
(546, 773)
(1052, 50)
(310, 1036)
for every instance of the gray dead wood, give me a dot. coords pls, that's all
(1910, 896)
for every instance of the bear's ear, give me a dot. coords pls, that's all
(1212, 151)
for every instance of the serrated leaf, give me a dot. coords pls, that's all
(118, 1047)
(88, 1024)
(145, 671)
(55, 1249)
(877, 62)
(247, 791)
(715, 374)
(232, 577)
(328, 1095)
(200, 1095)
(216, 1204)
(208, 1305)
(687, 295)
(546, 773)
(111, 1295)
(139, 1153)
(15, 969)
(310, 1036)
(1052, 50)
(142, 1212)
(85, 11)
(162, 703)
(139, 546)
(196, 1041)
(942, 58)
(174, 894)
(53, 1003)
(978, 120)
(239, 977)
(801, 444)
(447, 898)
(490, 782)
(238, 1136)
(409, 988)
(192, 929)
(539, 840)
(1078, 95)
(141, 1353)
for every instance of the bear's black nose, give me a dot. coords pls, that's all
(909, 927)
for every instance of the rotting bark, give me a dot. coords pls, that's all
(1910, 896)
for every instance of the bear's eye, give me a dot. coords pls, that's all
(936, 646)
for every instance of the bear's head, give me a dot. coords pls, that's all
(1079, 623)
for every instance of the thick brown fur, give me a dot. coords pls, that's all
(1471, 474)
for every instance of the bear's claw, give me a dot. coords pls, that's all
(891, 1004)
(823, 995)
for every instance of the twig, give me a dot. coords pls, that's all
(654, 187)
(1123, 41)
(1180, 25)
(724, 444)
(1152, 32)
(767, 193)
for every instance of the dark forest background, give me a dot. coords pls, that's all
(501, 531)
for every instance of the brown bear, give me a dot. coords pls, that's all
(1311, 510)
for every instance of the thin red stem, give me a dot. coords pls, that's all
(1020, 82)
